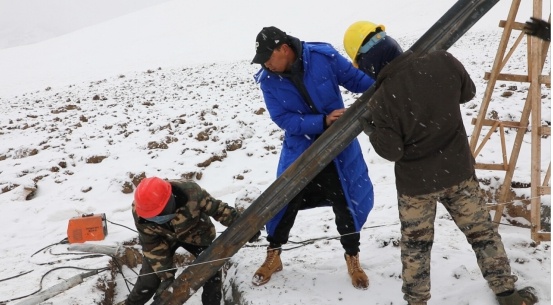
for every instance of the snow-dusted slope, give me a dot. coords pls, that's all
(85, 112)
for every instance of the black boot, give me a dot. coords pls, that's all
(524, 296)
(212, 290)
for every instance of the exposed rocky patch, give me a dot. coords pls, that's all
(155, 115)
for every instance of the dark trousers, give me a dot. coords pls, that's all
(148, 282)
(325, 187)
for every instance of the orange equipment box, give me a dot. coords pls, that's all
(87, 227)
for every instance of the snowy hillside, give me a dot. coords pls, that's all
(73, 141)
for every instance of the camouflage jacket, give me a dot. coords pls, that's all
(192, 225)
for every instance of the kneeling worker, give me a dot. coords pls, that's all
(168, 215)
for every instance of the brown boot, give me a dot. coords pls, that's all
(358, 277)
(271, 265)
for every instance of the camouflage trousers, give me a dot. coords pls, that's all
(466, 204)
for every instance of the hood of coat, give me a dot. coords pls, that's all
(397, 64)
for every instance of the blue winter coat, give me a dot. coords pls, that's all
(325, 70)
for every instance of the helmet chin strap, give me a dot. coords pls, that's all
(372, 42)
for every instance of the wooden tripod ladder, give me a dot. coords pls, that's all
(536, 54)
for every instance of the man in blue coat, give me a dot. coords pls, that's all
(301, 83)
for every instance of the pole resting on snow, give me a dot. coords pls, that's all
(57, 289)
(442, 35)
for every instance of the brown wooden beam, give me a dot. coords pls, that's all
(543, 236)
(544, 190)
(508, 124)
(491, 166)
(543, 79)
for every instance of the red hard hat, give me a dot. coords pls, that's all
(151, 196)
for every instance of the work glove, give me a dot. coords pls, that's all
(368, 127)
(539, 28)
(255, 237)
(163, 286)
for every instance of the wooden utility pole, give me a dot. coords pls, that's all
(531, 113)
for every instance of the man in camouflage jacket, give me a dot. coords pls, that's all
(417, 123)
(187, 224)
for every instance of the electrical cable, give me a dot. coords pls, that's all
(61, 242)
(66, 241)
(70, 259)
(44, 275)
(120, 267)
(121, 226)
(15, 276)
(116, 260)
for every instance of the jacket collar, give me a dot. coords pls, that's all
(297, 65)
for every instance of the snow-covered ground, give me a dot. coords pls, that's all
(160, 88)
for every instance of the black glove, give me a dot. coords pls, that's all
(162, 286)
(539, 28)
(368, 128)
(255, 237)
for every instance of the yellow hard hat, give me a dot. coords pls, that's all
(356, 34)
